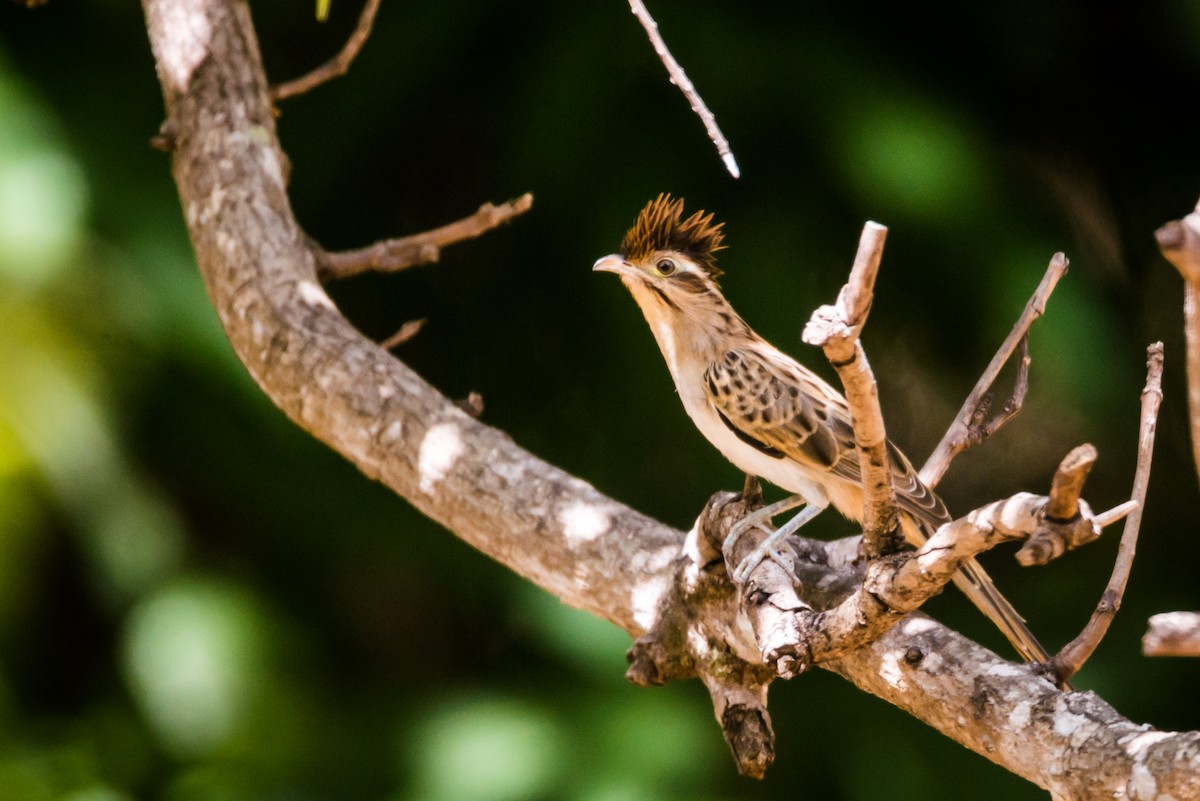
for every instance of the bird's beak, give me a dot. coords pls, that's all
(613, 264)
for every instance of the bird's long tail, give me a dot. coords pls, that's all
(977, 585)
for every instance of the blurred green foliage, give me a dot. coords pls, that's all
(199, 603)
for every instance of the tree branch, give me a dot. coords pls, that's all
(595, 554)
(1173, 634)
(1067, 662)
(680, 79)
(394, 255)
(968, 428)
(836, 329)
(336, 66)
(1179, 242)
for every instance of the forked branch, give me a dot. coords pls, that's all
(971, 426)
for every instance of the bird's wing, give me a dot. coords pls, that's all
(775, 404)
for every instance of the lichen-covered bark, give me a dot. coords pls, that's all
(260, 272)
(556, 530)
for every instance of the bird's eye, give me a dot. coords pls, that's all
(665, 267)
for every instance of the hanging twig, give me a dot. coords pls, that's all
(968, 430)
(336, 66)
(1071, 658)
(680, 79)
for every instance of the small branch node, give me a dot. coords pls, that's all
(472, 404)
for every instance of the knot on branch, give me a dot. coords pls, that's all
(699, 631)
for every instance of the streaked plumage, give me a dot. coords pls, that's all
(759, 407)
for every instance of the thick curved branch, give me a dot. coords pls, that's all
(261, 273)
(556, 530)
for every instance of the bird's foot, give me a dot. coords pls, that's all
(769, 546)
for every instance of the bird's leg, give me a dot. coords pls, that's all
(760, 517)
(767, 548)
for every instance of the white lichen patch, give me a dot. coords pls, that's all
(891, 669)
(191, 35)
(312, 294)
(644, 600)
(1020, 716)
(698, 643)
(583, 522)
(267, 156)
(1142, 783)
(1136, 745)
(440, 449)
(1006, 670)
(916, 625)
(1070, 726)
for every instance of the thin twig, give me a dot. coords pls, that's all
(680, 79)
(836, 330)
(1071, 658)
(1179, 241)
(336, 66)
(407, 331)
(959, 436)
(393, 255)
(1173, 634)
(1115, 514)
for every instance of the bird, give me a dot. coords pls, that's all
(769, 415)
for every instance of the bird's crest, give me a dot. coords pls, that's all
(660, 226)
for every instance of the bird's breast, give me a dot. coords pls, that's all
(783, 472)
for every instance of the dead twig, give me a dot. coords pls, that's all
(836, 329)
(407, 331)
(968, 430)
(680, 79)
(1068, 483)
(393, 255)
(1065, 526)
(1173, 634)
(1071, 658)
(1179, 242)
(336, 66)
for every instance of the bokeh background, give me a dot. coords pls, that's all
(200, 603)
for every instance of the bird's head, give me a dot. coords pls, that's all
(668, 262)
